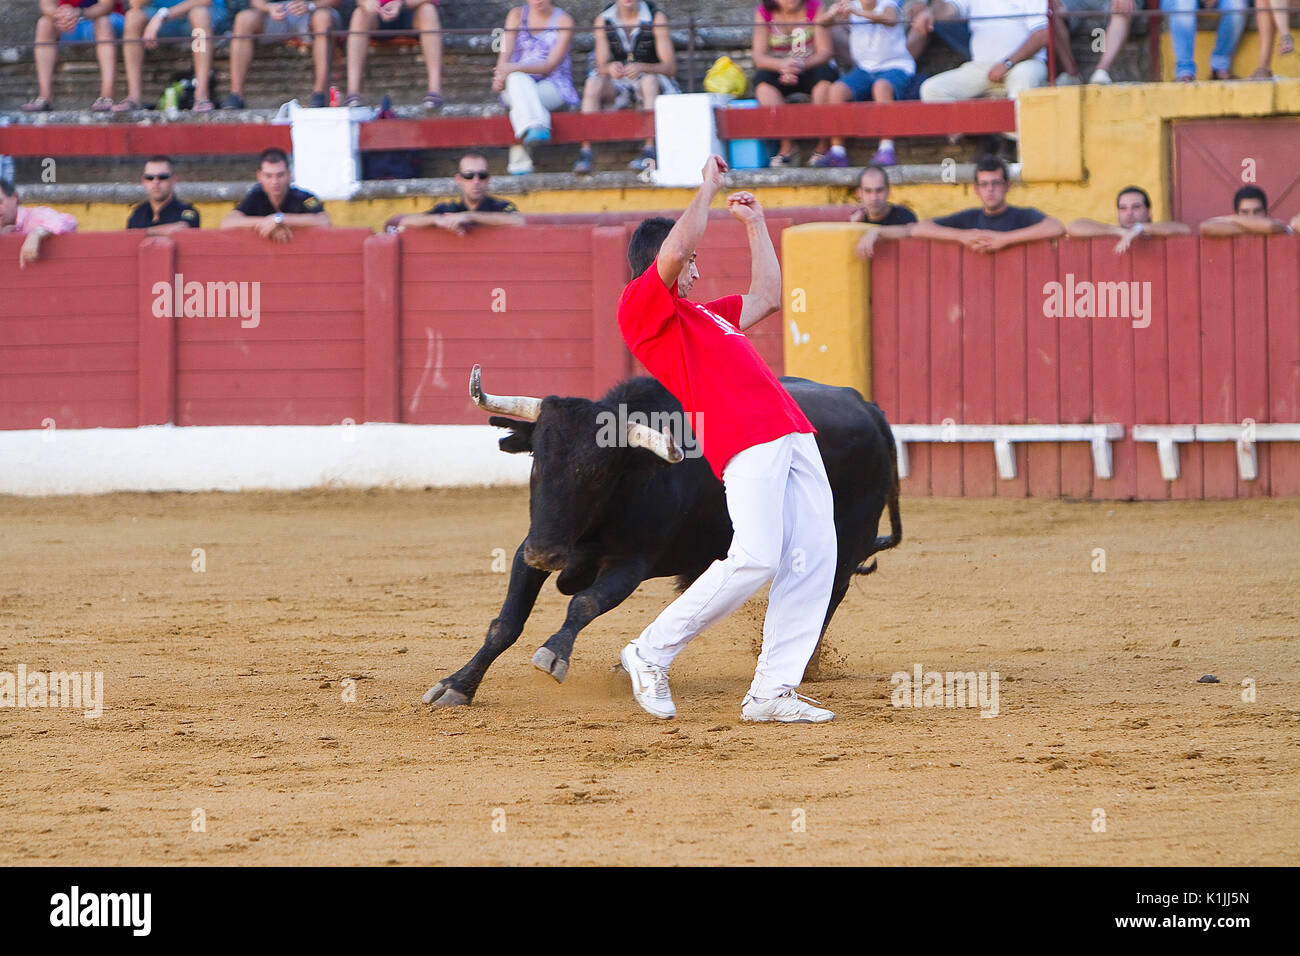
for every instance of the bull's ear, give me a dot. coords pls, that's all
(520, 438)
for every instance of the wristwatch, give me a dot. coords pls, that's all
(1008, 63)
(279, 218)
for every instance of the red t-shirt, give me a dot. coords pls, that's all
(699, 354)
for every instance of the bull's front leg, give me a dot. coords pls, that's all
(521, 595)
(609, 590)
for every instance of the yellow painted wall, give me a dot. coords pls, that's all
(1079, 147)
(827, 304)
(1244, 60)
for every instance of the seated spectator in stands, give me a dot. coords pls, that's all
(198, 21)
(385, 15)
(274, 208)
(1119, 16)
(162, 213)
(1268, 25)
(875, 208)
(277, 22)
(1008, 50)
(1133, 217)
(882, 66)
(1133, 213)
(1182, 29)
(633, 63)
(923, 24)
(475, 208)
(80, 21)
(532, 75)
(34, 222)
(792, 54)
(993, 226)
(1249, 216)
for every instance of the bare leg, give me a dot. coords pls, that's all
(247, 23)
(426, 18)
(821, 94)
(321, 21)
(769, 95)
(358, 46)
(201, 21)
(47, 54)
(106, 54)
(1061, 36)
(133, 53)
(649, 93)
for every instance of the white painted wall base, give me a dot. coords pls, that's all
(249, 457)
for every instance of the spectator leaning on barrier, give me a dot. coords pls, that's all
(993, 226)
(162, 213)
(1120, 16)
(1008, 40)
(633, 62)
(79, 21)
(875, 208)
(198, 21)
(1182, 29)
(475, 208)
(792, 54)
(274, 208)
(384, 15)
(882, 65)
(276, 23)
(1249, 216)
(1133, 214)
(532, 75)
(34, 222)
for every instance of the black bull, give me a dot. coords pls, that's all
(608, 518)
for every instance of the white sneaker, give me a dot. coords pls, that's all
(789, 708)
(1067, 79)
(1100, 77)
(520, 163)
(649, 684)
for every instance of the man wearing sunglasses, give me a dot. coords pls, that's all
(162, 213)
(475, 207)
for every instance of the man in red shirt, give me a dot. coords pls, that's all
(757, 441)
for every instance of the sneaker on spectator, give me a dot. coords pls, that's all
(233, 101)
(1100, 77)
(837, 156)
(885, 157)
(520, 163)
(1068, 79)
(644, 161)
(781, 160)
(537, 134)
(584, 164)
(318, 101)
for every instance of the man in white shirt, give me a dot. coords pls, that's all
(1008, 47)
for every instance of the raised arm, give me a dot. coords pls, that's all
(679, 245)
(764, 295)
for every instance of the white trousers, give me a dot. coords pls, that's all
(971, 81)
(783, 517)
(530, 102)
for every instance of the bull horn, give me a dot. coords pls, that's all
(661, 443)
(516, 406)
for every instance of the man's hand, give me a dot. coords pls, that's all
(744, 207)
(715, 168)
(866, 247)
(65, 18)
(151, 31)
(923, 21)
(453, 222)
(1126, 240)
(31, 248)
(998, 72)
(297, 7)
(984, 240)
(268, 228)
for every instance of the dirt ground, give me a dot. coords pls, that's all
(226, 737)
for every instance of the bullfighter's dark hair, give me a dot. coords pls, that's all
(1249, 192)
(647, 239)
(7, 187)
(272, 154)
(1133, 189)
(988, 163)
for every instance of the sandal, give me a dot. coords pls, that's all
(1288, 45)
(203, 106)
(38, 105)
(127, 105)
(102, 105)
(1262, 74)
(353, 99)
(433, 101)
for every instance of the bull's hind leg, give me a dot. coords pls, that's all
(521, 595)
(609, 590)
(843, 576)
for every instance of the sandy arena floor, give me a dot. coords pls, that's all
(224, 694)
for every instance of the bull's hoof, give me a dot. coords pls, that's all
(443, 694)
(545, 660)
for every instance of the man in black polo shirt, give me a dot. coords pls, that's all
(274, 208)
(994, 225)
(873, 194)
(475, 207)
(162, 213)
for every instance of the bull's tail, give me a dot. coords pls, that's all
(895, 518)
